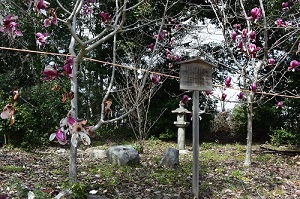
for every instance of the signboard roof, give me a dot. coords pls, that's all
(197, 60)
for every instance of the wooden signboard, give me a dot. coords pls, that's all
(196, 75)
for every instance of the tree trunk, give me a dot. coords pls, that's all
(5, 141)
(72, 165)
(74, 114)
(249, 129)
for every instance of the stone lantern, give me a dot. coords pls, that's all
(181, 124)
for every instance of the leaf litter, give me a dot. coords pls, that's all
(222, 174)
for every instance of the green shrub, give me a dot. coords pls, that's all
(282, 137)
(78, 190)
(38, 112)
(228, 126)
(168, 135)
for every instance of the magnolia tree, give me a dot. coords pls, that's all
(90, 24)
(110, 20)
(261, 41)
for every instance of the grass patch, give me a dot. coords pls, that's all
(11, 168)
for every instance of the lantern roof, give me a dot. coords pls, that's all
(181, 110)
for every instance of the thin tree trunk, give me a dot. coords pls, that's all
(249, 130)
(5, 141)
(72, 165)
(74, 112)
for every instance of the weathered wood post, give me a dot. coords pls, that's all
(196, 75)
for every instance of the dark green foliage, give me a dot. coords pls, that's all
(25, 125)
(166, 99)
(225, 127)
(114, 132)
(232, 126)
(285, 137)
(38, 112)
(264, 118)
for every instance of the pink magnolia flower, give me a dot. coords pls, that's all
(241, 95)
(177, 58)
(255, 14)
(285, 5)
(237, 26)
(271, 61)
(155, 78)
(41, 39)
(208, 92)
(87, 9)
(161, 35)
(172, 41)
(240, 46)
(68, 66)
(10, 26)
(279, 22)
(78, 131)
(9, 113)
(280, 104)
(40, 6)
(223, 97)
(298, 48)
(228, 81)
(253, 36)
(169, 56)
(293, 65)
(60, 135)
(185, 99)
(49, 72)
(151, 46)
(244, 33)
(49, 21)
(253, 87)
(252, 49)
(233, 35)
(52, 19)
(105, 16)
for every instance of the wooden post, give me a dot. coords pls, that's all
(196, 144)
(196, 75)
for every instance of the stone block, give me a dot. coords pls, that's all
(170, 158)
(123, 154)
(95, 153)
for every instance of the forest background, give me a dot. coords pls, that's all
(39, 108)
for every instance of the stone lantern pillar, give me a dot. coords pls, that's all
(181, 124)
